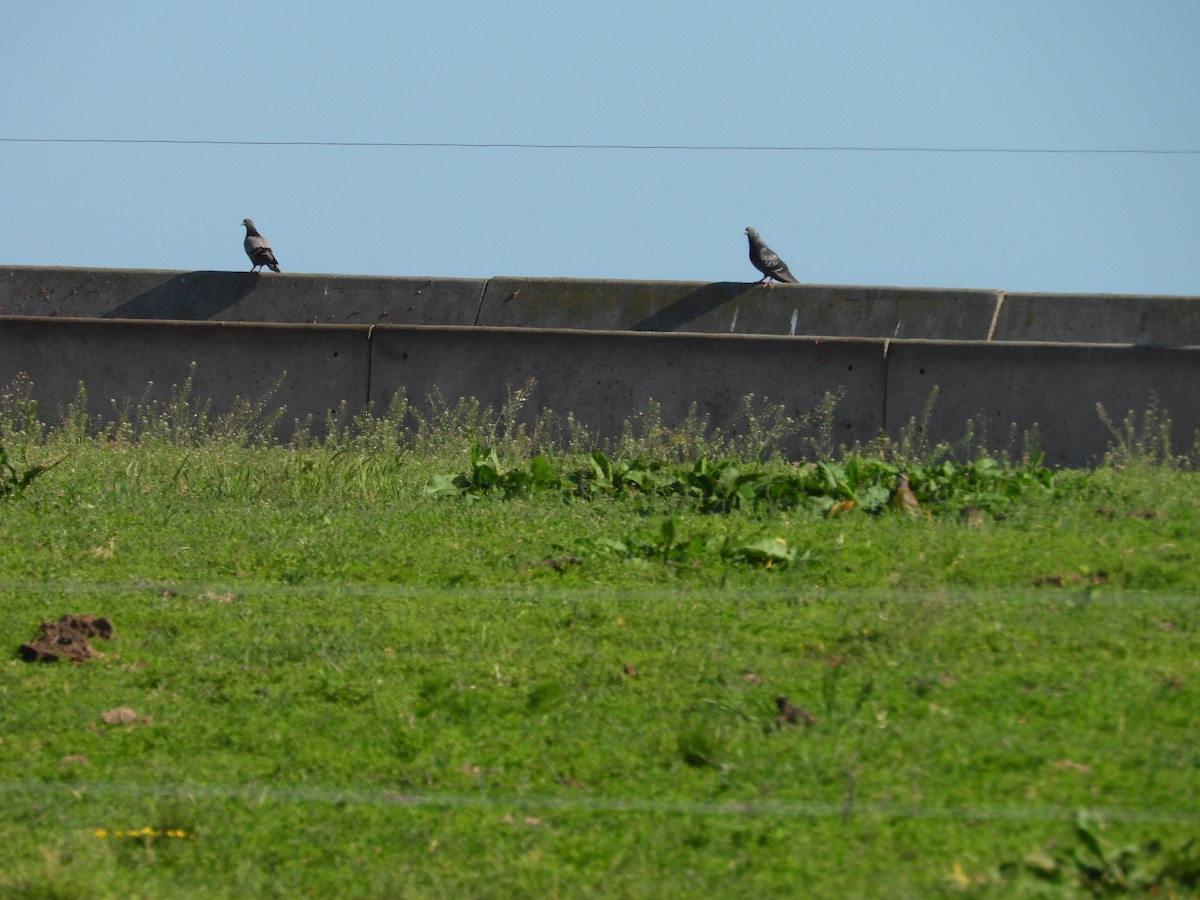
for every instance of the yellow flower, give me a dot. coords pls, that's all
(101, 832)
(958, 878)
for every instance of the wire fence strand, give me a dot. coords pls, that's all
(258, 794)
(170, 588)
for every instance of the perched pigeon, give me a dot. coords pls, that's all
(767, 262)
(258, 249)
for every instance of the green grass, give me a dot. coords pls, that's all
(347, 686)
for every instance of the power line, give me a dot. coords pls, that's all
(701, 148)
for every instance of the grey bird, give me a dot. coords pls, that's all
(767, 261)
(258, 249)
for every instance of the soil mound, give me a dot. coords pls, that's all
(67, 639)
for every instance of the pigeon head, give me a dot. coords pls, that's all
(750, 232)
(248, 223)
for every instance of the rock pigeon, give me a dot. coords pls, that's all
(258, 249)
(767, 261)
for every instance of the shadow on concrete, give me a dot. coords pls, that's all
(193, 296)
(695, 305)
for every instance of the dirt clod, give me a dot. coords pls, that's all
(790, 714)
(66, 638)
(560, 564)
(122, 715)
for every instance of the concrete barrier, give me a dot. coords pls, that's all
(238, 296)
(1053, 388)
(1099, 318)
(678, 343)
(604, 377)
(601, 304)
(117, 360)
(738, 308)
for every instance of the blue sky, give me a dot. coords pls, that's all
(1069, 74)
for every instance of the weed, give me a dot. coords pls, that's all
(19, 423)
(821, 421)
(14, 483)
(673, 547)
(718, 486)
(1145, 441)
(1100, 868)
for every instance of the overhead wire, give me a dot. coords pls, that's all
(704, 148)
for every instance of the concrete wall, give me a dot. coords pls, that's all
(1098, 319)
(600, 349)
(738, 308)
(123, 360)
(238, 296)
(661, 306)
(603, 377)
(1053, 388)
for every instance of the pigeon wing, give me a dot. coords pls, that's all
(768, 262)
(260, 252)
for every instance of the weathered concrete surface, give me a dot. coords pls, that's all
(117, 360)
(237, 296)
(604, 377)
(1099, 318)
(615, 305)
(727, 307)
(1051, 387)
(602, 349)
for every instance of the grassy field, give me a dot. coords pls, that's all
(381, 665)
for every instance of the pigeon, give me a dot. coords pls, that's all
(258, 249)
(767, 261)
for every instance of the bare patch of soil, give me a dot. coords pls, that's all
(67, 639)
